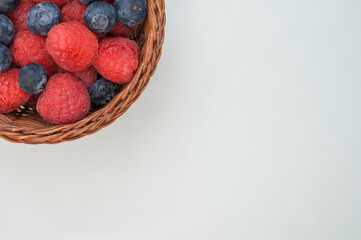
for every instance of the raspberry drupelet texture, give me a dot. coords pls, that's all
(72, 45)
(120, 30)
(11, 95)
(18, 15)
(117, 59)
(73, 11)
(29, 47)
(59, 3)
(64, 100)
(88, 76)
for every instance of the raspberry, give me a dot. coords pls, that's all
(18, 15)
(11, 95)
(29, 47)
(64, 100)
(73, 11)
(59, 3)
(72, 45)
(88, 76)
(120, 30)
(117, 59)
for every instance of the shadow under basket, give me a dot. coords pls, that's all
(26, 126)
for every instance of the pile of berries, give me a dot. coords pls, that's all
(60, 57)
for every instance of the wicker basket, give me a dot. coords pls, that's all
(26, 126)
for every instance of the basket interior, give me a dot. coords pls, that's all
(29, 118)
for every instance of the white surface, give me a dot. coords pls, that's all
(250, 129)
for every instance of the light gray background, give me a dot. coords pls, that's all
(250, 129)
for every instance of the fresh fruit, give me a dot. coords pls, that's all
(73, 40)
(120, 30)
(100, 17)
(101, 92)
(42, 17)
(87, 2)
(29, 47)
(117, 59)
(5, 58)
(32, 78)
(18, 15)
(64, 100)
(11, 95)
(73, 11)
(58, 3)
(8, 5)
(7, 30)
(88, 76)
(131, 12)
(72, 45)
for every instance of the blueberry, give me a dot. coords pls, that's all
(32, 78)
(101, 92)
(131, 12)
(87, 2)
(100, 17)
(42, 17)
(8, 5)
(5, 58)
(7, 30)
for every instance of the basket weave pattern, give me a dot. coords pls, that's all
(26, 126)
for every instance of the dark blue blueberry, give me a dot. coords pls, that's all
(100, 17)
(8, 5)
(7, 30)
(101, 92)
(5, 58)
(131, 12)
(32, 78)
(87, 2)
(42, 17)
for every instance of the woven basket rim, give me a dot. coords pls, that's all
(25, 126)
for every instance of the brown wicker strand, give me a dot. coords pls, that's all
(26, 126)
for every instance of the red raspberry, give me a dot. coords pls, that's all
(120, 30)
(88, 76)
(29, 47)
(64, 100)
(11, 95)
(117, 59)
(72, 45)
(59, 3)
(73, 11)
(18, 15)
